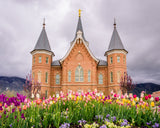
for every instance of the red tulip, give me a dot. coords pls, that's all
(146, 97)
(149, 96)
(157, 99)
(134, 96)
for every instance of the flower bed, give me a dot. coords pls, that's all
(88, 110)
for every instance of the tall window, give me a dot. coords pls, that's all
(118, 59)
(57, 79)
(34, 59)
(111, 77)
(46, 60)
(40, 59)
(124, 59)
(69, 76)
(118, 76)
(79, 74)
(46, 79)
(111, 60)
(100, 79)
(39, 77)
(89, 76)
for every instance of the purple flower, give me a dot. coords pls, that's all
(1, 108)
(22, 116)
(149, 123)
(13, 110)
(103, 126)
(106, 120)
(156, 125)
(5, 112)
(0, 116)
(107, 115)
(99, 117)
(82, 121)
(113, 118)
(7, 116)
(10, 125)
(65, 125)
(15, 117)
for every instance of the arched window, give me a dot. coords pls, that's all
(69, 76)
(57, 79)
(118, 76)
(39, 77)
(111, 77)
(100, 79)
(46, 78)
(89, 76)
(79, 74)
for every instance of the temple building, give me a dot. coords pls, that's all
(79, 70)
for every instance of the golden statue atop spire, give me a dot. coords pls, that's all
(79, 12)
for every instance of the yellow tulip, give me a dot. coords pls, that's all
(152, 104)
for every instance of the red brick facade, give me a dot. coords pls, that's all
(79, 59)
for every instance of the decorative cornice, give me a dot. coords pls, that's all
(42, 51)
(115, 51)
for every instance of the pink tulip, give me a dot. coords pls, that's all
(5, 106)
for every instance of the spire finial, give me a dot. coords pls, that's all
(114, 23)
(79, 12)
(44, 23)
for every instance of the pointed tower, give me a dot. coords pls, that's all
(79, 30)
(41, 62)
(116, 58)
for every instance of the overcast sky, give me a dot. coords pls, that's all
(138, 24)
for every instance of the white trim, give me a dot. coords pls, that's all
(116, 51)
(79, 36)
(42, 51)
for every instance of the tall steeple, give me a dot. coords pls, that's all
(43, 43)
(79, 26)
(115, 43)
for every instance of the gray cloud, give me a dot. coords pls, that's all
(137, 23)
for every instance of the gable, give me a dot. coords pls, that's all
(79, 41)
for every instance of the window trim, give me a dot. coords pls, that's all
(69, 75)
(40, 59)
(100, 78)
(111, 60)
(118, 59)
(57, 79)
(111, 77)
(46, 77)
(47, 60)
(79, 74)
(89, 75)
